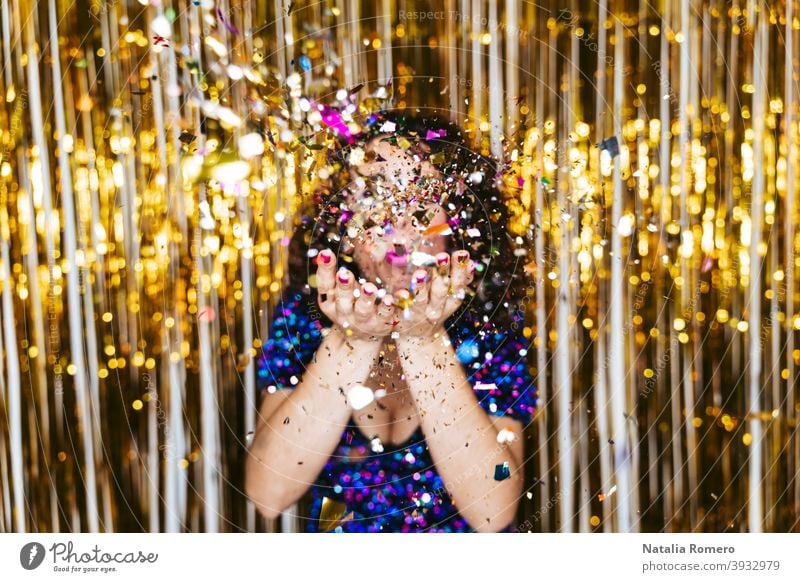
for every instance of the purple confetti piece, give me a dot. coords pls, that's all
(333, 119)
(232, 29)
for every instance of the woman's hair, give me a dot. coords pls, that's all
(477, 215)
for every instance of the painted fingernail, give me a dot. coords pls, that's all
(443, 259)
(388, 301)
(343, 277)
(326, 256)
(370, 289)
(420, 277)
(462, 258)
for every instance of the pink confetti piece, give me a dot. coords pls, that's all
(433, 134)
(206, 314)
(333, 119)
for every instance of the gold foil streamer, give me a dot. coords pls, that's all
(131, 232)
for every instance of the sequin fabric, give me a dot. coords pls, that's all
(396, 489)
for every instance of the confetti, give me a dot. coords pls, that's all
(502, 471)
(611, 145)
(432, 134)
(359, 396)
(438, 229)
(356, 157)
(419, 259)
(206, 315)
(251, 145)
(331, 514)
(333, 119)
(232, 29)
(376, 445)
(506, 436)
(437, 158)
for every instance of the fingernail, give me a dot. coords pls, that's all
(443, 259)
(370, 289)
(388, 301)
(462, 258)
(326, 256)
(471, 266)
(343, 277)
(421, 277)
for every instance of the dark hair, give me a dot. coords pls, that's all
(480, 209)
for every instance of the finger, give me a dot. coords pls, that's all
(440, 285)
(441, 279)
(460, 270)
(326, 272)
(420, 286)
(345, 283)
(460, 277)
(365, 304)
(386, 311)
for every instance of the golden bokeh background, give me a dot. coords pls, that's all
(156, 155)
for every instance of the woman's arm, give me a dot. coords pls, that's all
(297, 433)
(295, 437)
(461, 437)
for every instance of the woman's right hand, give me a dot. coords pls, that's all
(359, 317)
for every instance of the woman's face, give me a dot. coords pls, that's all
(393, 230)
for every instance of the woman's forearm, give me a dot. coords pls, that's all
(461, 438)
(292, 445)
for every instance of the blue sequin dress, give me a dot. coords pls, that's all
(398, 489)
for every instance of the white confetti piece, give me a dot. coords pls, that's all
(506, 436)
(161, 26)
(359, 396)
(419, 259)
(251, 145)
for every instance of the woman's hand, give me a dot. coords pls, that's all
(352, 307)
(423, 309)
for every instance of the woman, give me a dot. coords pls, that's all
(393, 388)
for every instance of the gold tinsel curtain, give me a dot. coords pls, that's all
(650, 151)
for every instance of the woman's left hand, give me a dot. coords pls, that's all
(423, 309)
